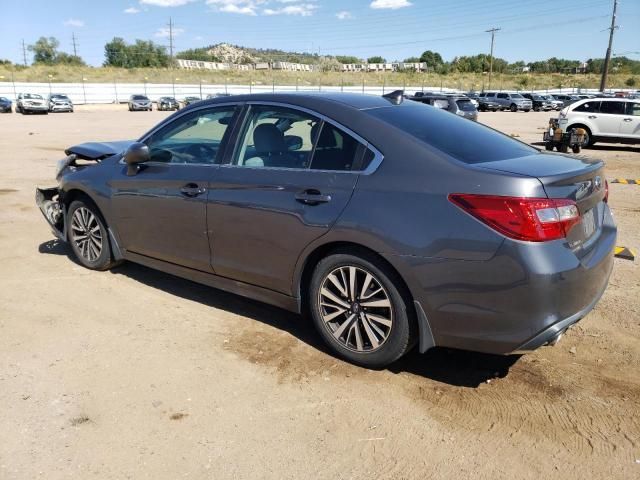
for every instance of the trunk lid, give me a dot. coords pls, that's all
(565, 177)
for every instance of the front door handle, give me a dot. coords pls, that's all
(592, 116)
(627, 119)
(192, 190)
(312, 196)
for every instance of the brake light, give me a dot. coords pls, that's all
(528, 219)
(606, 191)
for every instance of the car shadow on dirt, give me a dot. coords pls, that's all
(449, 366)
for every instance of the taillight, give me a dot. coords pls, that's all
(528, 219)
(606, 191)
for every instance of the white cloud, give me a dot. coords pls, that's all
(242, 7)
(302, 9)
(73, 22)
(344, 15)
(390, 4)
(164, 32)
(166, 3)
(131, 10)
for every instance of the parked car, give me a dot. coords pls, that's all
(486, 104)
(30, 103)
(441, 232)
(218, 95)
(510, 101)
(608, 120)
(139, 102)
(557, 104)
(189, 100)
(168, 103)
(5, 105)
(59, 102)
(458, 104)
(566, 99)
(539, 102)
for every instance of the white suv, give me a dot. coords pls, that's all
(610, 120)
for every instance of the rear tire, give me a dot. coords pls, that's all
(88, 235)
(360, 309)
(563, 148)
(513, 107)
(548, 146)
(588, 138)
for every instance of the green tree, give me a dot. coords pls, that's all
(45, 50)
(432, 59)
(412, 60)
(347, 59)
(376, 59)
(630, 82)
(143, 53)
(197, 54)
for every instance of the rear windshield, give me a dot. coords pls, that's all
(466, 141)
(466, 105)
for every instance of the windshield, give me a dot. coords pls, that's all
(466, 141)
(60, 97)
(466, 105)
(516, 95)
(140, 97)
(32, 95)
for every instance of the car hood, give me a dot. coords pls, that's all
(98, 150)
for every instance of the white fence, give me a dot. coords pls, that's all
(119, 92)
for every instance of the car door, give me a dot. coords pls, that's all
(161, 210)
(290, 177)
(610, 117)
(630, 126)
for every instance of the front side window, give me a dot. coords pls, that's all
(613, 108)
(277, 137)
(194, 138)
(516, 95)
(503, 95)
(633, 108)
(592, 107)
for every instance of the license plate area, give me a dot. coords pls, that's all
(589, 223)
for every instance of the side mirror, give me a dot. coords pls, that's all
(136, 154)
(293, 142)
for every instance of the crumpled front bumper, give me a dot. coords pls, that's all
(48, 201)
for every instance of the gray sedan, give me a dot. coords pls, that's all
(395, 224)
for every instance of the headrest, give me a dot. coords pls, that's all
(269, 139)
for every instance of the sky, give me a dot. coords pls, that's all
(394, 29)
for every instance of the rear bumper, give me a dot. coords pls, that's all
(518, 300)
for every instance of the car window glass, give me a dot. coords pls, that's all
(443, 131)
(516, 95)
(276, 137)
(615, 108)
(502, 95)
(593, 107)
(367, 158)
(491, 94)
(194, 138)
(466, 105)
(633, 108)
(335, 149)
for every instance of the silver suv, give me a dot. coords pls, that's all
(31, 102)
(510, 101)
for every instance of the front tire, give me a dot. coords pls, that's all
(88, 235)
(360, 309)
(513, 107)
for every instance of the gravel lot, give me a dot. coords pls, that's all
(137, 374)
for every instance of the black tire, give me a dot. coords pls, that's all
(400, 335)
(563, 148)
(588, 139)
(576, 149)
(548, 146)
(527, 110)
(535, 109)
(513, 107)
(103, 260)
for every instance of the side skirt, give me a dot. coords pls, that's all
(232, 286)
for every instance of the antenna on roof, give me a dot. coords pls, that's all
(396, 97)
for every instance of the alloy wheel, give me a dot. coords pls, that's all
(86, 234)
(355, 308)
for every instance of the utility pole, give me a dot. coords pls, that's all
(75, 45)
(24, 53)
(492, 31)
(171, 38)
(607, 58)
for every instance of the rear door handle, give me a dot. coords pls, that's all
(627, 119)
(312, 196)
(192, 190)
(592, 116)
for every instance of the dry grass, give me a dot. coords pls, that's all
(66, 74)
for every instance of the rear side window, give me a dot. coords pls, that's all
(593, 107)
(466, 141)
(335, 150)
(633, 109)
(614, 108)
(502, 95)
(491, 94)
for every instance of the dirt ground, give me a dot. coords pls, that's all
(140, 375)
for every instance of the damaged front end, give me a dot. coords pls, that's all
(49, 203)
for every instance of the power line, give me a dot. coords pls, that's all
(75, 49)
(492, 31)
(607, 58)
